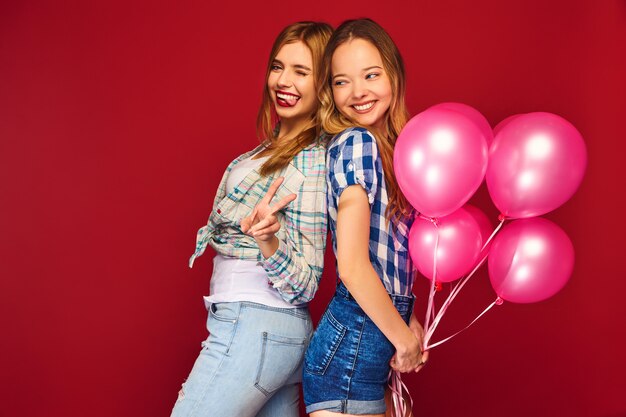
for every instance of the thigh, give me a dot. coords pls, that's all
(375, 353)
(220, 382)
(329, 359)
(281, 337)
(284, 403)
(347, 363)
(326, 413)
(251, 353)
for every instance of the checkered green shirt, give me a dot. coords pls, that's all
(296, 267)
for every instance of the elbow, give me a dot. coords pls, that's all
(309, 289)
(301, 299)
(347, 272)
(353, 269)
(302, 291)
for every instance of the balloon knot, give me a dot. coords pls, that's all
(435, 221)
(438, 286)
(501, 217)
(499, 301)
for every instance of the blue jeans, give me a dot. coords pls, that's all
(347, 363)
(250, 365)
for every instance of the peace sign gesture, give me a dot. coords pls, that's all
(262, 223)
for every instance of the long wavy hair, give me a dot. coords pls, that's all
(333, 121)
(314, 35)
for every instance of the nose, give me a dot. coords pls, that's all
(284, 80)
(359, 89)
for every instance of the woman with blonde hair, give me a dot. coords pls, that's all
(368, 327)
(268, 227)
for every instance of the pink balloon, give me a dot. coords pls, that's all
(503, 123)
(536, 163)
(458, 247)
(530, 260)
(484, 225)
(473, 114)
(440, 159)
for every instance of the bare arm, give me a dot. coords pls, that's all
(361, 280)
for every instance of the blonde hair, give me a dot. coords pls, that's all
(395, 118)
(314, 35)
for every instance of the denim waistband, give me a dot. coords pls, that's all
(402, 303)
(300, 312)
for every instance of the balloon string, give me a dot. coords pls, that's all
(460, 285)
(455, 291)
(446, 304)
(497, 301)
(431, 297)
(503, 219)
(398, 388)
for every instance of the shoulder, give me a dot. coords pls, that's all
(354, 136)
(243, 156)
(311, 161)
(312, 154)
(319, 145)
(355, 141)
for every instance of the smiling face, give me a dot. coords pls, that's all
(291, 83)
(361, 87)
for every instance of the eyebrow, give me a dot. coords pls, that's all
(278, 61)
(363, 70)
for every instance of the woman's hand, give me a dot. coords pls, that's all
(262, 224)
(410, 357)
(418, 331)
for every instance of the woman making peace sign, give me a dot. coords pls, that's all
(268, 227)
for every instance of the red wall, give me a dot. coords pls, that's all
(117, 120)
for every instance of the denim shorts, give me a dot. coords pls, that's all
(346, 366)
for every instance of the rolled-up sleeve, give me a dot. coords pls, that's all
(354, 164)
(296, 267)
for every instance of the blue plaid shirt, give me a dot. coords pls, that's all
(352, 159)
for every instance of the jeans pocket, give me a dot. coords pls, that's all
(374, 359)
(280, 357)
(222, 327)
(324, 344)
(223, 312)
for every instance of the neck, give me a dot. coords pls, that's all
(381, 124)
(290, 128)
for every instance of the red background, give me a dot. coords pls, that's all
(117, 120)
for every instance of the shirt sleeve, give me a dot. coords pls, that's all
(296, 267)
(354, 164)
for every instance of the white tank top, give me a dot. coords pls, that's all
(242, 279)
